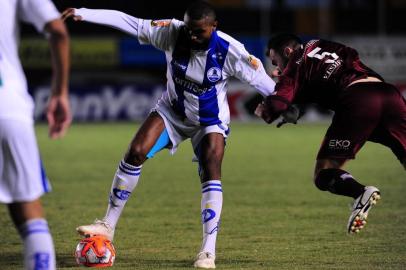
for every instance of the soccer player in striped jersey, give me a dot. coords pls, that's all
(200, 60)
(22, 179)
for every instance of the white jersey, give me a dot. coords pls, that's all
(15, 102)
(197, 79)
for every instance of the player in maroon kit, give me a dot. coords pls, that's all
(366, 109)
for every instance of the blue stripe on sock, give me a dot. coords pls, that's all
(128, 167)
(40, 226)
(36, 223)
(208, 185)
(212, 189)
(27, 233)
(128, 172)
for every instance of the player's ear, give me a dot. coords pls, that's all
(287, 51)
(214, 25)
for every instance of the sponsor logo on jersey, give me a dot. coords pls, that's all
(191, 86)
(121, 193)
(214, 74)
(207, 215)
(254, 62)
(160, 23)
(179, 65)
(339, 144)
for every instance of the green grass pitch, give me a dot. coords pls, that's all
(273, 216)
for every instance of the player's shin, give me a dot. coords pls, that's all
(339, 182)
(211, 204)
(39, 250)
(124, 182)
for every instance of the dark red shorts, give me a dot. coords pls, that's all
(366, 112)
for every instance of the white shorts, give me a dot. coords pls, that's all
(180, 130)
(22, 178)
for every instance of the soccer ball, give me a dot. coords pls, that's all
(96, 251)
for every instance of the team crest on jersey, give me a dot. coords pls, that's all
(160, 23)
(254, 62)
(214, 74)
(217, 56)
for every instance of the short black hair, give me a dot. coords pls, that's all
(281, 40)
(200, 9)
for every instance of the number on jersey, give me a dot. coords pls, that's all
(331, 57)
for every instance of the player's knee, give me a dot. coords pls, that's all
(210, 165)
(325, 178)
(212, 155)
(136, 154)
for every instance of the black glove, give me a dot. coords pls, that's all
(291, 115)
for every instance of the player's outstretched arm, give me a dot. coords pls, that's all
(112, 18)
(58, 110)
(249, 69)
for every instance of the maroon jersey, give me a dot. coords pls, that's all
(319, 72)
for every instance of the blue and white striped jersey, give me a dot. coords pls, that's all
(196, 79)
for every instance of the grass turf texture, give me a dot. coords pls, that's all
(273, 217)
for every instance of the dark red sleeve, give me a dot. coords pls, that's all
(285, 90)
(279, 102)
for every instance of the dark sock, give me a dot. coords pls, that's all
(339, 182)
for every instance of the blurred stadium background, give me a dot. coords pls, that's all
(273, 218)
(114, 78)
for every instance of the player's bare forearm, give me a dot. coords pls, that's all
(58, 110)
(59, 46)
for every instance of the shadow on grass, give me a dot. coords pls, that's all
(11, 259)
(137, 263)
(133, 262)
(66, 260)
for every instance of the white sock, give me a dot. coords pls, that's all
(124, 182)
(39, 250)
(212, 201)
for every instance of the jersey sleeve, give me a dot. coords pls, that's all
(113, 18)
(37, 12)
(161, 34)
(249, 69)
(291, 79)
(285, 88)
